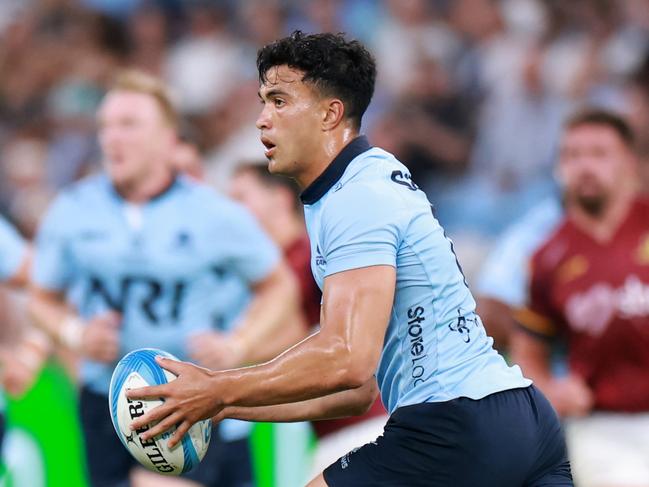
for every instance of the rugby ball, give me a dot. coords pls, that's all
(139, 369)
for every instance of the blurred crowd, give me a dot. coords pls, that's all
(471, 93)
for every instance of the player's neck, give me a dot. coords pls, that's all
(332, 143)
(139, 192)
(603, 227)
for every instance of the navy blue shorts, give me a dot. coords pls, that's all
(508, 439)
(226, 464)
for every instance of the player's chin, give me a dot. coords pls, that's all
(274, 166)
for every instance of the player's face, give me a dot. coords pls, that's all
(134, 136)
(594, 166)
(248, 190)
(290, 121)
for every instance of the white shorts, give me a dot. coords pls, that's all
(333, 446)
(609, 449)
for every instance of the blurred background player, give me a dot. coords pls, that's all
(32, 448)
(274, 201)
(589, 287)
(141, 257)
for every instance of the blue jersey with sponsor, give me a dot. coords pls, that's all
(365, 210)
(179, 264)
(12, 250)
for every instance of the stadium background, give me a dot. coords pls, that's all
(471, 95)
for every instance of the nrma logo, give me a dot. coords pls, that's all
(319, 259)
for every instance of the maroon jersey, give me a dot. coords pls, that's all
(298, 256)
(596, 296)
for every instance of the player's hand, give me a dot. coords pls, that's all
(571, 396)
(187, 399)
(100, 337)
(22, 363)
(216, 351)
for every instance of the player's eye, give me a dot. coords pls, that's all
(279, 102)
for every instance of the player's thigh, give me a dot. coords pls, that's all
(318, 481)
(143, 478)
(332, 446)
(604, 450)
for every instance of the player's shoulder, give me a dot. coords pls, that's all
(558, 245)
(375, 179)
(205, 197)
(213, 206)
(84, 193)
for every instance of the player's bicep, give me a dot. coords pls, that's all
(356, 310)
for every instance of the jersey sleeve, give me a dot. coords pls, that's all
(248, 249)
(53, 265)
(361, 227)
(537, 316)
(12, 250)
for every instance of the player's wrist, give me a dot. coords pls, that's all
(70, 333)
(222, 384)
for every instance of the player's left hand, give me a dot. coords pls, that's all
(187, 399)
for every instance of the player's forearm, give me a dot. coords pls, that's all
(533, 356)
(53, 315)
(317, 366)
(272, 312)
(343, 404)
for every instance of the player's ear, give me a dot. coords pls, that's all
(334, 111)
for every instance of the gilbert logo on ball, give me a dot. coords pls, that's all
(139, 369)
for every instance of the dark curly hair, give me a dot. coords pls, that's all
(335, 66)
(598, 116)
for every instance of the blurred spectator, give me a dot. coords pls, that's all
(588, 288)
(409, 32)
(429, 125)
(203, 66)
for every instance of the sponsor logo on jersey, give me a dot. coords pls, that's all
(182, 240)
(319, 259)
(591, 311)
(417, 346)
(404, 179)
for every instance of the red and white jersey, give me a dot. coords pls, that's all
(596, 295)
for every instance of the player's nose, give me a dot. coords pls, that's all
(263, 120)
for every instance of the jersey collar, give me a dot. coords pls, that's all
(334, 171)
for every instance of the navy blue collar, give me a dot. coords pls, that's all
(334, 171)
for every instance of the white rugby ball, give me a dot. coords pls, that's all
(139, 369)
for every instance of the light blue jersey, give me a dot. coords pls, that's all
(504, 275)
(12, 250)
(364, 210)
(181, 263)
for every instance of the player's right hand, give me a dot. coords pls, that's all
(571, 396)
(100, 338)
